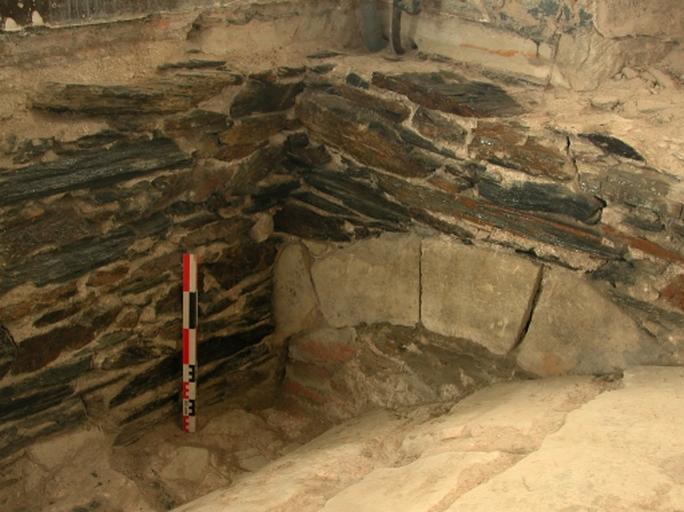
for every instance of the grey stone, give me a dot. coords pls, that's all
(370, 281)
(477, 294)
(294, 299)
(264, 96)
(542, 197)
(93, 167)
(306, 223)
(365, 133)
(575, 329)
(450, 93)
(8, 351)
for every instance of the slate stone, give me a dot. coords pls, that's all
(193, 64)
(510, 146)
(254, 169)
(518, 222)
(173, 94)
(324, 54)
(613, 146)
(197, 120)
(356, 81)
(322, 204)
(391, 109)
(628, 184)
(165, 370)
(222, 347)
(8, 351)
(48, 378)
(305, 223)
(57, 316)
(298, 152)
(37, 351)
(58, 226)
(322, 69)
(32, 149)
(542, 197)
(66, 415)
(366, 134)
(356, 195)
(449, 93)
(145, 410)
(70, 261)
(268, 197)
(435, 126)
(289, 71)
(264, 96)
(251, 132)
(242, 260)
(134, 355)
(90, 168)
(15, 408)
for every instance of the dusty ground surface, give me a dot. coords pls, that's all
(84, 472)
(570, 444)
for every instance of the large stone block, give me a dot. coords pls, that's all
(575, 329)
(370, 281)
(481, 295)
(294, 299)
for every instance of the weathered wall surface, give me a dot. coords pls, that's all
(107, 175)
(431, 220)
(508, 246)
(572, 43)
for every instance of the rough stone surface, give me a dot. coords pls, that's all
(295, 305)
(575, 329)
(370, 281)
(483, 296)
(366, 134)
(539, 445)
(510, 146)
(189, 463)
(450, 93)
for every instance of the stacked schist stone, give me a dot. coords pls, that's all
(91, 237)
(426, 241)
(498, 247)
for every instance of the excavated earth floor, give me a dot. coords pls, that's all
(563, 444)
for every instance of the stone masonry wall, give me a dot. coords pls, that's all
(432, 229)
(450, 240)
(91, 238)
(570, 43)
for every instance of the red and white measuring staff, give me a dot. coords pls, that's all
(189, 384)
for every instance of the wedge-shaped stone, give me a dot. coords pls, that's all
(366, 134)
(90, 168)
(508, 145)
(161, 96)
(262, 95)
(542, 197)
(370, 281)
(478, 294)
(575, 329)
(450, 93)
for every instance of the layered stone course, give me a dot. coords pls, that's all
(421, 220)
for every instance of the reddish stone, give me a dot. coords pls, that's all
(674, 292)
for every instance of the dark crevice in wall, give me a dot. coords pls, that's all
(536, 293)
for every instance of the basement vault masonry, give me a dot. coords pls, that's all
(457, 260)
